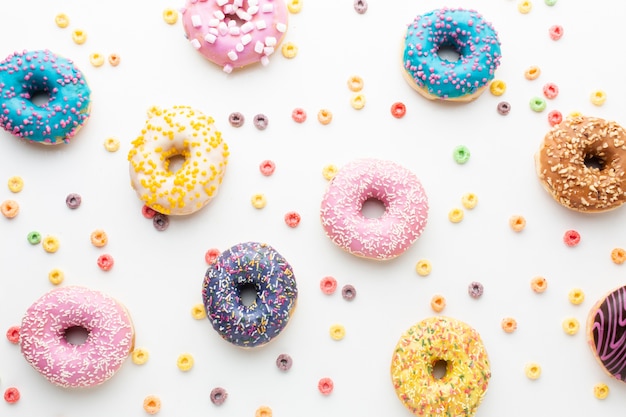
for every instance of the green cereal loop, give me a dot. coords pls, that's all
(461, 154)
(537, 104)
(550, 2)
(34, 238)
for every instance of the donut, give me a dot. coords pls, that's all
(581, 164)
(464, 31)
(606, 327)
(177, 132)
(385, 237)
(452, 344)
(31, 74)
(44, 343)
(235, 33)
(258, 268)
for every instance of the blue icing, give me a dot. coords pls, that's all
(469, 34)
(26, 74)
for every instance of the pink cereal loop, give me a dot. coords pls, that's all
(267, 167)
(292, 219)
(556, 32)
(298, 115)
(550, 91)
(328, 285)
(555, 117)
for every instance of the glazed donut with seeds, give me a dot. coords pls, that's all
(29, 74)
(44, 330)
(581, 163)
(235, 33)
(179, 131)
(396, 187)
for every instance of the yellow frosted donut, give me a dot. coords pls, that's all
(177, 132)
(440, 341)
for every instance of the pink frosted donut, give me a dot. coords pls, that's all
(44, 330)
(397, 188)
(235, 33)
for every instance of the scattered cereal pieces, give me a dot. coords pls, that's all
(325, 386)
(152, 404)
(598, 97)
(56, 276)
(99, 238)
(355, 83)
(537, 104)
(469, 200)
(11, 395)
(532, 73)
(571, 238)
(298, 115)
(62, 20)
(161, 221)
(236, 119)
(258, 201)
(218, 395)
(357, 101)
(292, 219)
(263, 411)
(289, 50)
(170, 16)
(148, 212)
(79, 36)
(16, 184)
(524, 6)
(337, 332)
(324, 116)
(260, 121)
(618, 256)
(475, 289)
(532, 370)
(34, 237)
(423, 267)
(105, 262)
(50, 244)
(329, 171)
(294, 6)
(13, 334)
(517, 223)
(570, 326)
(360, 6)
(348, 292)
(267, 167)
(461, 154)
(96, 59)
(550, 91)
(184, 362)
(114, 60)
(508, 324)
(284, 362)
(111, 144)
(555, 32)
(140, 356)
(398, 110)
(328, 285)
(198, 312)
(211, 255)
(73, 200)
(539, 284)
(497, 87)
(504, 108)
(576, 296)
(455, 215)
(438, 303)
(601, 390)
(9, 208)
(555, 117)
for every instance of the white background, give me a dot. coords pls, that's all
(158, 275)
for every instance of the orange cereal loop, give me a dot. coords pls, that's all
(517, 223)
(79, 36)
(355, 83)
(9, 208)
(539, 284)
(508, 324)
(618, 256)
(99, 238)
(152, 404)
(324, 116)
(532, 73)
(62, 20)
(263, 411)
(170, 16)
(576, 296)
(114, 60)
(438, 303)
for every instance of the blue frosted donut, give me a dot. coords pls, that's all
(24, 75)
(465, 31)
(257, 267)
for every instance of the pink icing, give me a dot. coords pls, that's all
(110, 336)
(400, 191)
(235, 33)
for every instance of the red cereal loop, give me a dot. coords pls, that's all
(328, 285)
(13, 334)
(105, 262)
(147, 212)
(292, 219)
(398, 110)
(211, 255)
(11, 395)
(298, 115)
(571, 238)
(267, 167)
(325, 386)
(555, 117)
(556, 32)
(550, 91)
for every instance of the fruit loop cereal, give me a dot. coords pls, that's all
(211, 255)
(532, 73)
(517, 223)
(114, 60)
(508, 324)
(455, 215)
(16, 184)
(550, 91)
(325, 386)
(398, 110)
(111, 144)
(11, 395)
(461, 154)
(497, 87)
(539, 284)
(161, 221)
(258, 201)
(96, 59)
(324, 116)
(598, 97)
(50, 244)
(475, 289)
(504, 108)
(532, 370)
(329, 171)
(79, 36)
(337, 332)
(601, 390)
(357, 101)
(170, 16)
(423, 267)
(360, 6)
(571, 238)
(469, 200)
(105, 262)
(56, 276)
(618, 256)
(537, 104)
(184, 362)
(140, 356)
(289, 50)
(267, 167)
(218, 395)
(576, 296)
(348, 292)
(62, 20)
(438, 303)
(284, 362)
(555, 32)
(294, 6)
(555, 117)
(236, 119)
(34, 237)
(263, 411)
(260, 121)
(152, 404)
(99, 238)
(9, 208)
(355, 83)
(13, 334)
(524, 6)
(570, 326)
(292, 219)
(73, 201)
(328, 285)
(198, 312)
(298, 115)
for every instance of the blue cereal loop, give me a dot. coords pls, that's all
(26, 74)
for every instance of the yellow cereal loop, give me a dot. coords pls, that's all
(16, 184)
(423, 267)
(50, 244)
(289, 50)
(111, 144)
(571, 326)
(96, 59)
(355, 83)
(184, 362)
(62, 20)
(357, 101)
(497, 87)
(56, 276)
(455, 215)
(574, 114)
(329, 171)
(469, 200)
(294, 6)
(532, 370)
(598, 97)
(601, 390)
(576, 296)
(337, 331)
(198, 312)
(263, 411)
(170, 16)
(140, 356)
(524, 6)
(258, 201)
(79, 36)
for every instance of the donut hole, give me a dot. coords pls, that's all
(439, 369)
(594, 161)
(76, 335)
(175, 163)
(247, 294)
(39, 97)
(448, 52)
(373, 208)
(232, 16)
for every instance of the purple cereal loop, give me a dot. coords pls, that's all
(261, 121)
(504, 108)
(348, 292)
(475, 289)
(73, 200)
(236, 119)
(161, 221)
(284, 362)
(218, 395)
(360, 6)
